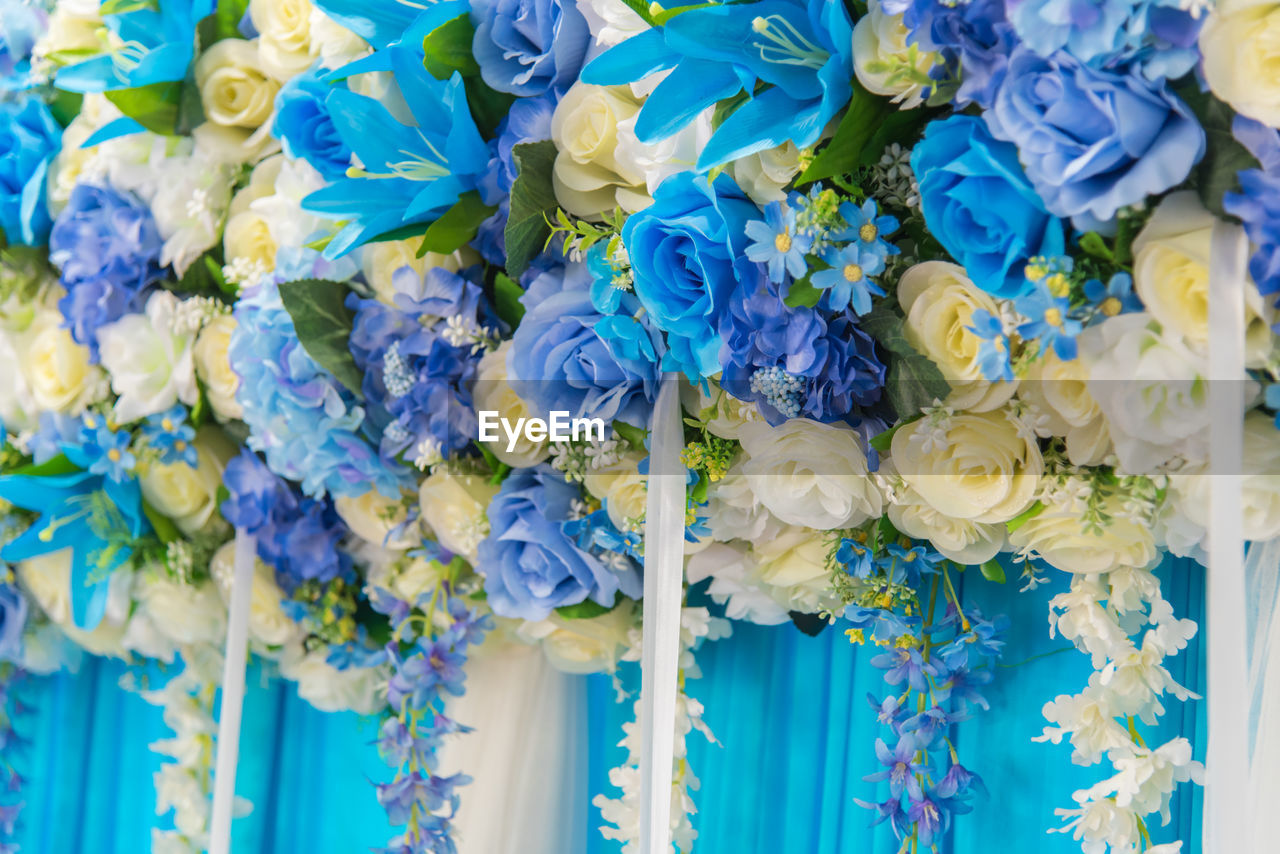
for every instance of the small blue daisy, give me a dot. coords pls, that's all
(107, 450)
(846, 281)
(775, 243)
(170, 434)
(1115, 297)
(993, 352)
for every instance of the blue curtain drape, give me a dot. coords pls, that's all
(790, 712)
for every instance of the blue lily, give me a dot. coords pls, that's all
(156, 44)
(804, 50)
(94, 516)
(411, 173)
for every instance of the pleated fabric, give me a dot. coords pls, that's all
(790, 713)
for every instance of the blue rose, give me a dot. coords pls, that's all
(688, 254)
(978, 203)
(306, 129)
(530, 565)
(29, 138)
(528, 47)
(1093, 141)
(13, 617)
(559, 361)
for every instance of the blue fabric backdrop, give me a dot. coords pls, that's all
(790, 711)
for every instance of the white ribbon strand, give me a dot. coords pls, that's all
(663, 590)
(1227, 818)
(224, 775)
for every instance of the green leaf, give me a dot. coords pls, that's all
(1022, 518)
(533, 200)
(507, 293)
(447, 49)
(869, 124)
(993, 571)
(698, 495)
(224, 23)
(65, 106)
(913, 380)
(884, 439)
(163, 525)
(49, 468)
(403, 232)
(667, 14)
(488, 106)
(457, 225)
(633, 434)
(1093, 244)
(322, 322)
(802, 294)
(123, 7)
(155, 107)
(203, 277)
(1224, 158)
(586, 609)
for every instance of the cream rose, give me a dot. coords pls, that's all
(357, 689)
(493, 393)
(736, 584)
(1060, 392)
(184, 613)
(1240, 44)
(234, 88)
(734, 512)
(149, 361)
(963, 540)
(623, 489)
(381, 261)
(333, 44)
(189, 496)
(589, 177)
(454, 507)
(794, 564)
(1058, 534)
(284, 36)
(268, 623)
(56, 368)
(213, 367)
(375, 518)
(1171, 276)
(940, 301)
(591, 645)
(764, 176)
(47, 578)
(809, 473)
(980, 467)
(881, 58)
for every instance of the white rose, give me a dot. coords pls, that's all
(185, 613)
(150, 365)
(189, 496)
(622, 488)
(611, 22)
(234, 88)
(375, 518)
(590, 178)
(940, 300)
(1189, 491)
(284, 36)
(213, 367)
(735, 513)
(411, 578)
(281, 208)
(1058, 534)
(56, 369)
(333, 44)
(794, 565)
(1171, 276)
(357, 689)
(764, 176)
(268, 623)
(380, 261)
(189, 206)
(1151, 389)
(809, 473)
(982, 467)
(1060, 392)
(18, 410)
(591, 645)
(493, 393)
(965, 541)
(1240, 44)
(736, 584)
(658, 160)
(881, 58)
(725, 415)
(234, 146)
(247, 243)
(454, 507)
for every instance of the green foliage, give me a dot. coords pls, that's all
(323, 325)
(913, 380)
(507, 293)
(447, 49)
(154, 106)
(1224, 157)
(533, 202)
(993, 571)
(457, 226)
(585, 610)
(869, 124)
(166, 531)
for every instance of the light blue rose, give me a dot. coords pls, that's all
(529, 47)
(688, 253)
(530, 565)
(29, 138)
(306, 129)
(980, 206)
(1092, 140)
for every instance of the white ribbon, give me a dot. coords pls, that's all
(224, 775)
(1227, 817)
(663, 593)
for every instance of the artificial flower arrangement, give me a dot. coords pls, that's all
(935, 277)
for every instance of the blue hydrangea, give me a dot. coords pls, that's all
(108, 249)
(304, 422)
(1258, 202)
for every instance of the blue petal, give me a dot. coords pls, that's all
(767, 120)
(122, 126)
(638, 56)
(689, 89)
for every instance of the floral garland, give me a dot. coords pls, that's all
(934, 276)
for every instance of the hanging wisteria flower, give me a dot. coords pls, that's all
(106, 245)
(29, 139)
(775, 243)
(169, 433)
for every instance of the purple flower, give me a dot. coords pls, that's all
(1258, 202)
(889, 810)
(13, 618)
(959, 781)
(906, 664)
(108, 250)
(901, 766)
